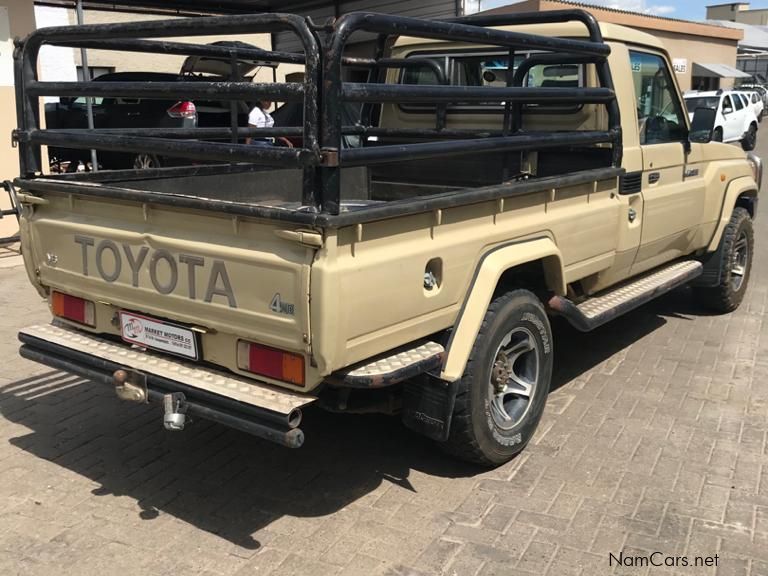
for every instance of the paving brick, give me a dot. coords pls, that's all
(438, 555)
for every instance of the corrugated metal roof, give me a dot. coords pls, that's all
(754, 36)
(629, 12)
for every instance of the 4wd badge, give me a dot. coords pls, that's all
(277, 305)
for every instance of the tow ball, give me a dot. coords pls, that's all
(130, 386)
(175, 406)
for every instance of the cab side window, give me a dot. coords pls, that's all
(738, 102)
(727, 105)
(659, 111)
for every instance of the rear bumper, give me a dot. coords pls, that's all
(239, 403)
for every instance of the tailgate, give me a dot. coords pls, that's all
(226, 277)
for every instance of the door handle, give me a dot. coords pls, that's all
(653, 177)
(632, 214)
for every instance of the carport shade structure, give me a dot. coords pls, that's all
(718, 71)
(190, 7)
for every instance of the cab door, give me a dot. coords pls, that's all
(672, 203)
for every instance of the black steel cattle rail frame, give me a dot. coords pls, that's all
(323, 93)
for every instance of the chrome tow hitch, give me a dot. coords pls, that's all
(175, 416)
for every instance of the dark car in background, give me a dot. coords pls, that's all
(71, 113)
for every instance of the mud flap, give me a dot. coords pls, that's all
(428, 406)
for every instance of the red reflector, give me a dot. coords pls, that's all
(266, 361)
(183, 110)
(270, 362)
(72, 308)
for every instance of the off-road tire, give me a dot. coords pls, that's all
(750, 139)
(474, 435)
(717, 135)
(728, 294)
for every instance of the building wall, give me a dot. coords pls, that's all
(153, 62)
(703, 51)
(689, 41)
(725, 11)
(753, 17)
(17, 19)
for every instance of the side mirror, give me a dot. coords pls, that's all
(727, 110)
(702, 125)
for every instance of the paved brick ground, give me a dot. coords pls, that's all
(654, 439)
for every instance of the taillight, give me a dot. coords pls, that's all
(183, 110)
(73, 308)
(270, 362)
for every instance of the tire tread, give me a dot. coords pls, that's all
(722, 298)
(462, 442)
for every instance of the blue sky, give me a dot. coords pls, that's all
(685, 9)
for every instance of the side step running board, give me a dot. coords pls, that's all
(606, 306)
(393, 367)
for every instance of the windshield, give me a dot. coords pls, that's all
(702, 102)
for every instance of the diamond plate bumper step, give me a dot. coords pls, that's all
(393, 367)
(602, 308)
(259, 409)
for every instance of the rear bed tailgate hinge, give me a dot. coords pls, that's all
(308, 238)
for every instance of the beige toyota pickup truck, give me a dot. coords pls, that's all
(405, 255)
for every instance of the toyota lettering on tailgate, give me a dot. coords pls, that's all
(110, 266)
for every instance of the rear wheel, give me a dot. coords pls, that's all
(750, 139)
(501, 396)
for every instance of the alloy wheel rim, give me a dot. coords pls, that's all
(514, 376)
(740, 261)
(143, 162)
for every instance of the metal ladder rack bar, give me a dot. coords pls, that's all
(29, 89)
(470, 30)
(323, 92)
(225, 152)
(409, 94)
(169, 90)
(423, 150)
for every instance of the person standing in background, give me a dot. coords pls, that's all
(260, 118)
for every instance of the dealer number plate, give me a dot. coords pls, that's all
(157, 335)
